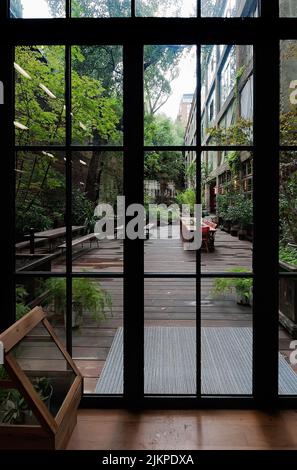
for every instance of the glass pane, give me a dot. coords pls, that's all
(227, 210)
(288, 212)
(169, 89)
(37, 8)
(39, 95)
(48, 292)
(45, 366)
(226, 95)
(97, 182)
(170, 336)
(40, 210)
(288, 98)
(100, 8)
(166, 8)
(287, 336)
(97, 101)
(229, 8)
(226, 336)
(288, 8)
(168, 197)
(98, 336)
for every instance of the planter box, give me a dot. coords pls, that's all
(34, 262)
(52, 422)
(288, 300)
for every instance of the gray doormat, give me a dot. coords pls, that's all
(170, 365)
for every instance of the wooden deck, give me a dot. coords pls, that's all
(168, 302)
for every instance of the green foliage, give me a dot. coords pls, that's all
(288, 197)
(3, 374)
(103, 9)
(43, 387)
(36, 217)
(85, 292)
(222, 205)
(21, 307)
(147, 200)
(187, 197)
(240, 210)
(44, 115)
(239, 133)
(13, 407)
(288, 135)
(161, 130)
(288, 254)
(163, 214)
(234, 162)
(241, 286)
(160, 69)
(82, 210)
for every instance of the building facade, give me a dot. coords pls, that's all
(226, 112)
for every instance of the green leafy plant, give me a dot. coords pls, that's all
(20, 306)
(13, 408)
(288, 254)
(43, 387)
(223, 205)
(239, 133)
(187, 197)
(88, 295)
(242, 287)
(234, 163)
(240, 210)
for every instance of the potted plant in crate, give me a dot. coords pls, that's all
(87, 295)
(44, 388)
(241, 287)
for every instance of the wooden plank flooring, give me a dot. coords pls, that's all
(184, 430)
(168, 302)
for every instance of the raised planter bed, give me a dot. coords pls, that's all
(288, 300)
(34, 262)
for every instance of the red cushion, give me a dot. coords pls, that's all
(205, 230)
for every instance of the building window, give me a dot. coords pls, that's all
(228, 74)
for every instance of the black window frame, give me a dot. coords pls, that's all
(265, 34)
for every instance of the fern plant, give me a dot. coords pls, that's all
(87, 295)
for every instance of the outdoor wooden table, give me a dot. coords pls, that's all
(51, 234)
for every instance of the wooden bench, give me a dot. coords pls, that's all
(37, 241)
(81, 240)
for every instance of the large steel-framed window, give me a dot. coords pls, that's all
(133, 33)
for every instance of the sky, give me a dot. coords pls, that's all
(35, 9)
(184, 83)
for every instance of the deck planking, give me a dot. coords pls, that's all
(167, 302)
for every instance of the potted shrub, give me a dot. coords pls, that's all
(222, 209)
(241, 287)
(87, 295)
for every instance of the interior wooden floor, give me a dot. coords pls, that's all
(184, 430)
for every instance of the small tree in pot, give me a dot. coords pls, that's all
(241, 287)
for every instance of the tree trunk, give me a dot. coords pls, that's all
(95, 171)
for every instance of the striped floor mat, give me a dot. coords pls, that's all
(170, 365)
